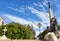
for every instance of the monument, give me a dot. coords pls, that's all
(53, 32)
(4, 37)
(53, 22)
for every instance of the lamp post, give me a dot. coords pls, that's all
(39, 25)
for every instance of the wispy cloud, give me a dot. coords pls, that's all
(45, 2)
(18, 10)
(18, 19)
(36, 4)
(42, 15)
(41, 6)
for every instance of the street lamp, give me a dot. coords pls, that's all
(39, 25)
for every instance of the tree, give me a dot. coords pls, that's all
(58, 27)
(17, 31)
(31, 28)
(41, 35)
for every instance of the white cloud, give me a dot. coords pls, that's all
(35, 4)
(42, 15)
(45, 2)
(39, 5)
(18, 10)
(17, 19)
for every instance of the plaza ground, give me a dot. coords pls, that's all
(23, 40)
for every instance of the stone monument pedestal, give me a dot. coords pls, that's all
(50, 37)
(3, 37)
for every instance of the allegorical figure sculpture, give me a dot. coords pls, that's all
(52, 29)
(50, 37)
(53, 23)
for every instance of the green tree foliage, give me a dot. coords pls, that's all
(1, 29)
(31, 29)
(59, 27)
(41, 35)
(17, 31)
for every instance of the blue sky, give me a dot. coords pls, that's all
(29, 12)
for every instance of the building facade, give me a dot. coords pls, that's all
(1, 21)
